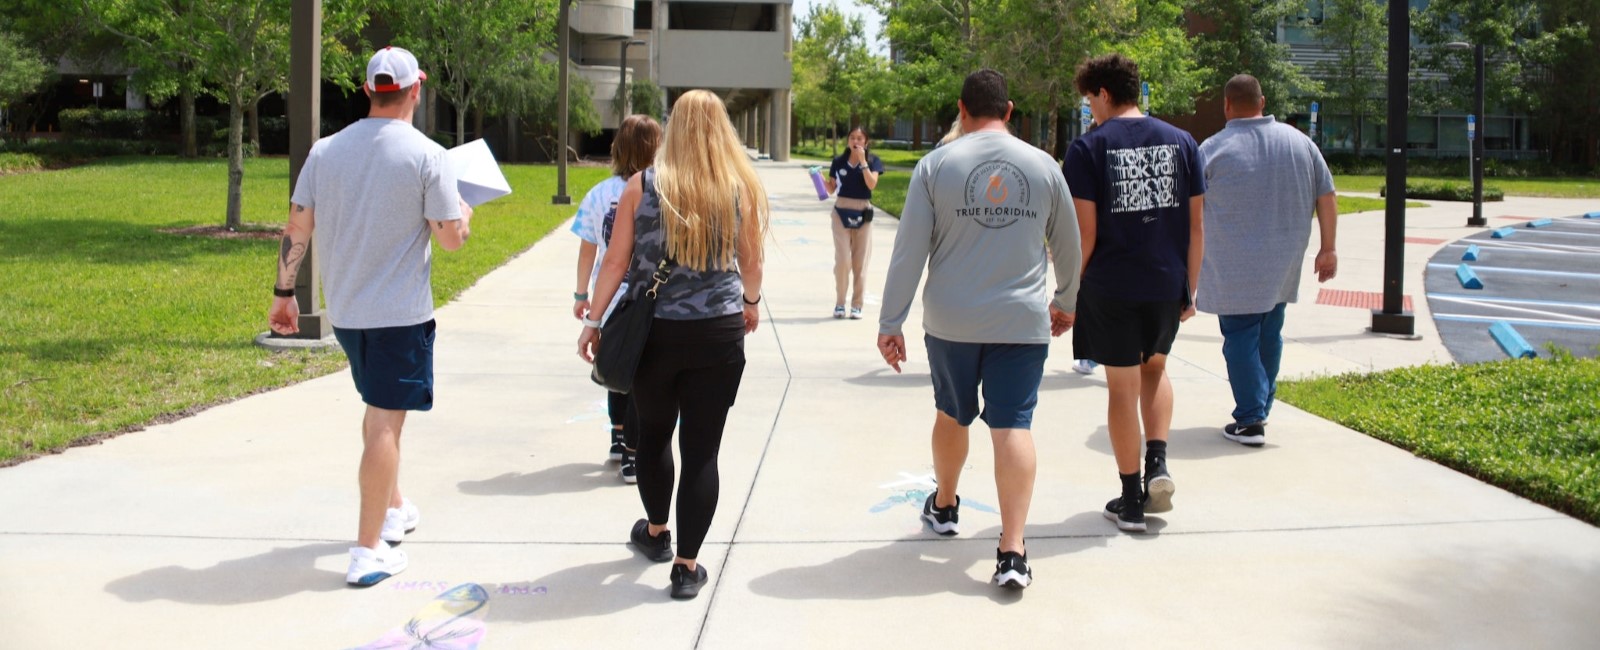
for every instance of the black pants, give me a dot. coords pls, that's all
(618, 405)
(689, 374)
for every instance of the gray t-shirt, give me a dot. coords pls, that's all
(1263, 179)
(980, 213)
(375, 185)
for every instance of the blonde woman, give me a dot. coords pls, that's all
(703, 208)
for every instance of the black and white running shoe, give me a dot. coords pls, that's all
(1249, 435)
(1127, 514)
(1011, 570)
(1158, 486)
(942, 520)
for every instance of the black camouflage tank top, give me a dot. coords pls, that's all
(689, 294)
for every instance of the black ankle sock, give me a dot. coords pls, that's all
(1131, 487)
(1155, 449)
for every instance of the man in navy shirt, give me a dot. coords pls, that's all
(1137, 184)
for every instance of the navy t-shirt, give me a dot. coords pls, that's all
(853, 185)
(1140, 173)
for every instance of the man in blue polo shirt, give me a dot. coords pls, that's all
(1137, 183)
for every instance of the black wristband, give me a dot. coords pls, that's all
(283, 293)
(748, 301)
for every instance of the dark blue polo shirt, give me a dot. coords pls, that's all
(852, 184)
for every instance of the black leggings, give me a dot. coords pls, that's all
(618, 404)
(689, 374)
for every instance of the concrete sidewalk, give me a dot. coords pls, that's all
(229, 529)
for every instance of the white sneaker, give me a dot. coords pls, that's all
(1084, 367)
(399, 521)
(371, 566)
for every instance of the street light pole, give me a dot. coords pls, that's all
(564, 38)
(1477, 147)
(1476, 125)
(1392, 319)
(622, 80)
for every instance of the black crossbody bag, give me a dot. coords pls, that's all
(623, 336)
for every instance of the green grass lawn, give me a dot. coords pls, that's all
(1529, 426)
(112, 324)
(1561, 188)
(891, 196)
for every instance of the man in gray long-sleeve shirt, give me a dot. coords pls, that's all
(1265, 178)
(979, 214)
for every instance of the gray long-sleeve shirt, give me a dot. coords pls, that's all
(980, 213)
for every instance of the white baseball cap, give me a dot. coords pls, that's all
(399, 64)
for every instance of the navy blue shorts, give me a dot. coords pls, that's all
(392, 366)
(1008, 373)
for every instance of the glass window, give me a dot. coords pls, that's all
(1453, 134)
(1422, 133)
(644, 14)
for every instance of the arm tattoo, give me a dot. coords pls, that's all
(289, 256)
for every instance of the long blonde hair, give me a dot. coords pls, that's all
(701, 174)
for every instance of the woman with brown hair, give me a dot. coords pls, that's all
(703, 210)
(633, 149)
(855, 174)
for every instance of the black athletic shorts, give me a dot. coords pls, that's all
(1123, 332)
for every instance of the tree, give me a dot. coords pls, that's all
(536, 96)
(1244, 41)
(830, 61)
(1569, 97)
(21, 69)
(1356, 32)
(157, 38)
(473, 44)
(51, 29)
(934, 44)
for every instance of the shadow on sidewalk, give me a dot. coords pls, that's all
(276, 574)
(589, 590)
(917, 566)
(561, 479)
(1194, 443)
(886, 378)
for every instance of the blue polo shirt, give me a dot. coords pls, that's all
(1140, 173)
(852, 184)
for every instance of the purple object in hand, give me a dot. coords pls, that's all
(816, 181)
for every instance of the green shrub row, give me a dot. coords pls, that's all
(1446, 192)
(1350, 164)
(11, 163)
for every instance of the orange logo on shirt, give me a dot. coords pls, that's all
(997, 183)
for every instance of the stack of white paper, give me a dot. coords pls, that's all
(477, 174)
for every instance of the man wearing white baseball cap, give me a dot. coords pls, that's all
(373, 194)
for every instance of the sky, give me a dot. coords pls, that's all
(870, 17)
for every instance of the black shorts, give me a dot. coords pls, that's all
(392, 366)
(1122, 333)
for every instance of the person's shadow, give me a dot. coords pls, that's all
(1193, 443)
(560, 479)
(587, 590)
(920, 566)
(281, 572)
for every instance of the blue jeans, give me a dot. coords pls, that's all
(1252, 344)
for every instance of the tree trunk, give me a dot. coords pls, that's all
(916, 133)
(1359, 119)
(461, 121)
(186, 112)
(511, 138)
(235, 158)
(255, 125)
(477, 123)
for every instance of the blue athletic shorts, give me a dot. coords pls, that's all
(392, 366)
(1008, 373)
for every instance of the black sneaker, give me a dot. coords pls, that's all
(1127, 514)
(629, 470)
(1249, 435)
(657, 548)
(687, 584)
(1158, 486)
(618, 450)
(942, 520)
(1011, 570)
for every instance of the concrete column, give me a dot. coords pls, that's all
(766, 127)
(780, 125)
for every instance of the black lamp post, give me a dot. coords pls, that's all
(622, 80)
(1477, 219)
(1393, 319)
(565, 38)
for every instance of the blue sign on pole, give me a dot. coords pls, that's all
(1144, 97)
(1085, 117)
(1315, 107)
(1472, 128)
